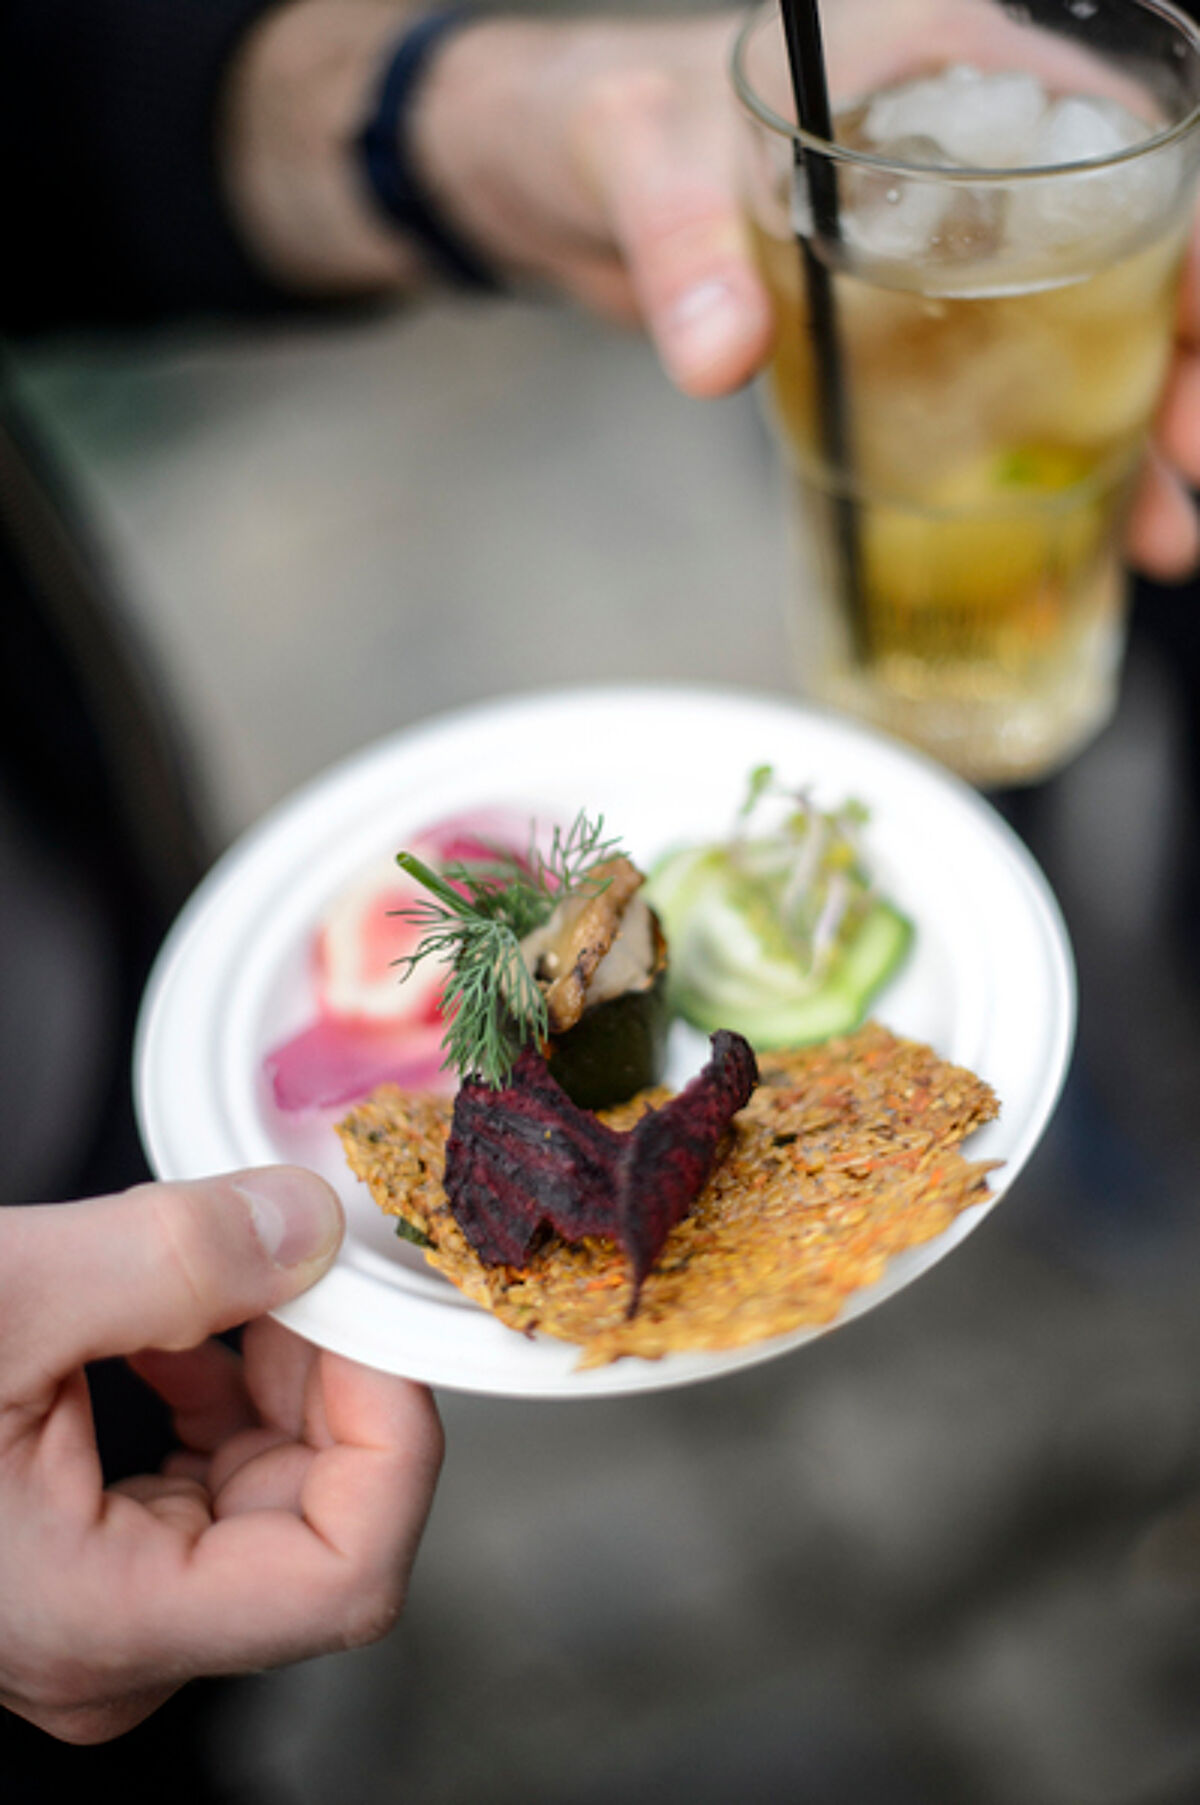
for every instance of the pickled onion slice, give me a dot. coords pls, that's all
(333, 1062)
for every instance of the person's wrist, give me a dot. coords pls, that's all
(295, 99)
(390, 155)
(477, 130)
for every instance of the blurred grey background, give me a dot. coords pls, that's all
(949, 1553)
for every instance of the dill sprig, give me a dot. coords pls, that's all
(474, 918)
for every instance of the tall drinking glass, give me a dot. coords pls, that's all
(975, 286)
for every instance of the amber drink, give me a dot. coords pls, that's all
(1003, 266)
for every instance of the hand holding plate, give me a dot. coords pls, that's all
(288, 1524)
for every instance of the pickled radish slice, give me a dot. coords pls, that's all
(373, 1024)
(358, 950)
(362, 940)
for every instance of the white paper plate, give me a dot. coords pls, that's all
(990, 983)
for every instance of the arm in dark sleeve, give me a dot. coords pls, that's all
(115, 211)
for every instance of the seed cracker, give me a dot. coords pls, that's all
(846, 1154)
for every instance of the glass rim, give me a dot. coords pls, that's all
(758, 109)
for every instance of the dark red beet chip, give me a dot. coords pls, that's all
(525, 1157)
(672, 1150)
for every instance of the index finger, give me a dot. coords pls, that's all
(661, 168)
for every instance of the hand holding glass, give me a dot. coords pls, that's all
(1014, 190)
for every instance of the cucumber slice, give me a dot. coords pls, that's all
(732, 966)
(760, 1006)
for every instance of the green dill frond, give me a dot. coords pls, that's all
(574, 857)
(474, 918)
(492, 1003)
(524, 889)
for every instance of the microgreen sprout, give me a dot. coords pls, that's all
(807, 868)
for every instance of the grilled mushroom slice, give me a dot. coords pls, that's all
(601, 959)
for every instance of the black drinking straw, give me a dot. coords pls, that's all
(806, 58)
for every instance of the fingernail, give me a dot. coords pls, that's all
(295, 1214)
(700, 324)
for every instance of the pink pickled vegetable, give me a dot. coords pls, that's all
(369, 1027)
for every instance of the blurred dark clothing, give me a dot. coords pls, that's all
(100, 842)
(114, 208)
(115, 215)
(109, 113)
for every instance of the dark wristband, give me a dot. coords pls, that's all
(387, 160)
